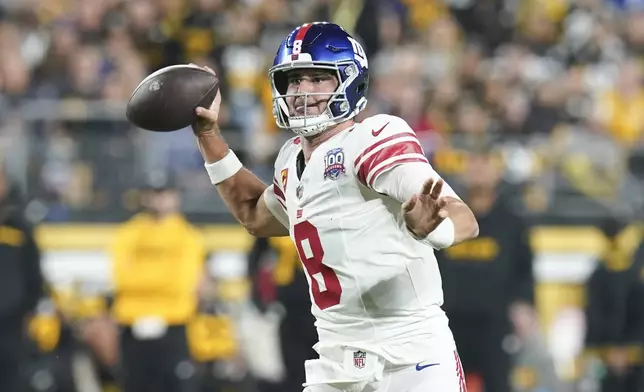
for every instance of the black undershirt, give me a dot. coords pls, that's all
(300, 165)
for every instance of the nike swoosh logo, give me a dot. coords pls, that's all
(376, 133)
(420, 367)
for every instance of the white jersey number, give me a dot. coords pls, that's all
(325, 285)
(297, 46)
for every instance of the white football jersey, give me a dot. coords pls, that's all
(373, 286)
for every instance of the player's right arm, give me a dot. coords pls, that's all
(252, 203)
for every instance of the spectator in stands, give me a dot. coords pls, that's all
(615, 307)
(212, 338)
(488, 280)
(297, 331)
(621, 110)
(21, 288)
(158, 259)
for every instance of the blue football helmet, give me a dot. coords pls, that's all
(320, 45)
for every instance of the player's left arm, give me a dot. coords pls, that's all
(394, 164)
(447, 222)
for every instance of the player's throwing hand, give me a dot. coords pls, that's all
(424, 212)
(207, 121)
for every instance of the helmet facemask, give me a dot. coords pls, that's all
(337, 106)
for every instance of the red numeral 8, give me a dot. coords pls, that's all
(309, 248)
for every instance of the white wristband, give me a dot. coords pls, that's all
(224, 168)
(443, 235)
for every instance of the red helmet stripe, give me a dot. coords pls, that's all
(301, 33)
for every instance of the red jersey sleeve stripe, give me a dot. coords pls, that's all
(380, 143)
(372, 177)
(385, 153)
(278, 192)
(460, 373)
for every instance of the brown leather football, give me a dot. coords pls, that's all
(166, 100)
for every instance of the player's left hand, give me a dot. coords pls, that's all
(423, 212)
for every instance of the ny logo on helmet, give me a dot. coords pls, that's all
(358, 53)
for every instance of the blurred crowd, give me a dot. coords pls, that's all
(553, 86)
(544, 97)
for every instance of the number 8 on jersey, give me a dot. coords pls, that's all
(325, 285)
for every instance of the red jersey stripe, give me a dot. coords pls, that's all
(380, 143)
(400, 148)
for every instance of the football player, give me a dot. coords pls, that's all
(365, 211)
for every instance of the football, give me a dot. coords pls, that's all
(166, 100)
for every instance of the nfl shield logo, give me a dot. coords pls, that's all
(334, 163)
(299, 191)
(359, 359)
